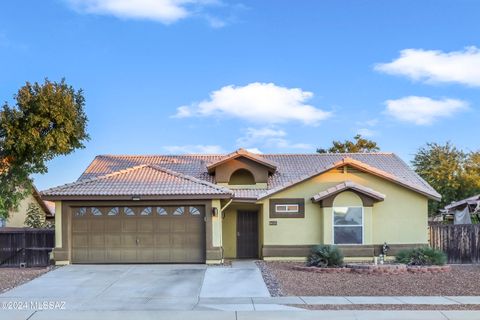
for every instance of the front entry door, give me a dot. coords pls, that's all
(247, 234)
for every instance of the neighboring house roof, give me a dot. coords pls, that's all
(43, 204)
(291, 169)
(243, 153)
(51, 207)
(348, 185)
(142, 180)
(472, 201)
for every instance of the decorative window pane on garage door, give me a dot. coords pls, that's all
(80, 212)
(128, 211)
(194, 211)
(146, 211)
(161, 211)
(96, 211)
(113, 211)
(179, 211)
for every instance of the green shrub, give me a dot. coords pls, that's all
(424, 256)
(325, 256)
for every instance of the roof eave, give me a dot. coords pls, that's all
(140, 197)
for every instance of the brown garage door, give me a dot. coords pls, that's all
(147, 234)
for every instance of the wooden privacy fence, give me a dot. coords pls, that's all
(27, 247)
(461, 243)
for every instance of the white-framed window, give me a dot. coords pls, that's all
(348, 225)
(286, 208)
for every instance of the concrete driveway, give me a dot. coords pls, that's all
(140, 287)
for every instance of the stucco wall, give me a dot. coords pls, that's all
(58, 223)
(217, 225)
(400, 219)
(17, 218)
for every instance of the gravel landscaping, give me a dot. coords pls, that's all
(13, 277)
(282, 279)
(390, 307)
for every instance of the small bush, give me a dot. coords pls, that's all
(424, 256)
(324, 256)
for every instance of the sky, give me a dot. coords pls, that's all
(272, 76)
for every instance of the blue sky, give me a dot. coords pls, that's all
(171, 76)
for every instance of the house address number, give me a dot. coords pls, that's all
(273, 222)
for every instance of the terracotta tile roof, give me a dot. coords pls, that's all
(243, 153)
(141, 180)
(348, 185)
(290, 169)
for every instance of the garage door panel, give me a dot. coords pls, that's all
(129, 255)
(80, 240)
(113, 255)
(96, 255)
(97, 225)
(113, 240)
(179, 225)
(129, 240)
(146, 255)
(96, 240)
(145, 240)
(138, 234)
(80, 225)
(162, 254)
(145, 225)
(129, 225)
(113, 224)
(162, 240)
(162, 225)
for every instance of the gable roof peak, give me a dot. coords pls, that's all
(241, 152)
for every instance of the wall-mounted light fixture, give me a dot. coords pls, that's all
(136, 198)
(214, 211)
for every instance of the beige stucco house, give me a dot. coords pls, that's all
(16, 218)
(204, 208)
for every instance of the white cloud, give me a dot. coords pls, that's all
(258, 102)
(253, 135)
(366, 132)
(423, 110)
(254, 150)
(164, 11)
(269, 137)
(434, 66)
(194, 149)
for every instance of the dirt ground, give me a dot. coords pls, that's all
(13, 277)
(385, 307)
(462, 280)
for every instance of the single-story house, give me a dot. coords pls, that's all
(204, 208)
(16, 218)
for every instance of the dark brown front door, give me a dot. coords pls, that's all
(247, 234)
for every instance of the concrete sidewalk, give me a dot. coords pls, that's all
(242, 315)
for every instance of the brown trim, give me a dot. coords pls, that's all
(299, 201)
(348, 250)
(129, 197)
(327, 202)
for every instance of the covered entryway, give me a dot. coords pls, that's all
(138, 234)
(247, 234)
